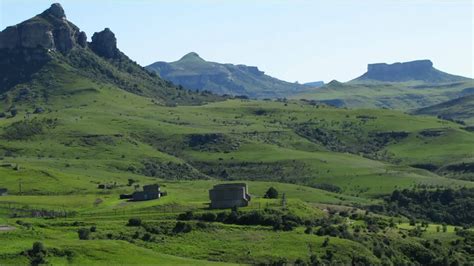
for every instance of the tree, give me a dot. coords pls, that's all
(37, 254)
(271, 193)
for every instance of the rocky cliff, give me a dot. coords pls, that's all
(49, 30)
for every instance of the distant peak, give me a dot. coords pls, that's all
(191, 56)
(334, 83)
(56, 10)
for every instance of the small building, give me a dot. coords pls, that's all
(3, 192)
(149, 192)
(225, 196)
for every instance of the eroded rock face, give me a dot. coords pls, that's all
(104, 44)
(49, 30)
(82, 39)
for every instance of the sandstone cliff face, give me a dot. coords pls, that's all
(50, 30)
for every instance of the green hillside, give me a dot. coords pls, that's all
(87, 125)
(393, 95)
(193, 72)
(460, 109)
(93, 132)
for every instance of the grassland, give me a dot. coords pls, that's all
(92, 132)
(392, 95)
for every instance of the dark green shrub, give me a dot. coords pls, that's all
(186, 216)
(209, 217)
(182, 227)
(134, 222)
(147, 237)
(271, 193)
(84, 233)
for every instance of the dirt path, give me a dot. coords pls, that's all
(6, 228)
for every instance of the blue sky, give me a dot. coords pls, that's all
(293, 40)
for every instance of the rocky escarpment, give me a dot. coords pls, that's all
(420, 70)
(49, 30)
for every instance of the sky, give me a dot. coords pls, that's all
(293, 40)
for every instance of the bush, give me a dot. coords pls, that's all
(134, 222)
(84, 233)
(147, 237)
(271, 193)
(182, 227)
(186, 216)
(326, 242)
(93, 228)
(209, 217)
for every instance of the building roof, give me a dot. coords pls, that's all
(230, 185)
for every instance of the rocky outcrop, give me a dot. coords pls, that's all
(50, 30)
(104, 44)
(56, 10)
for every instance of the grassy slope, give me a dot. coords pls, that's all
(401, 96)
(459, 109)
(84, 108)
(102, 131)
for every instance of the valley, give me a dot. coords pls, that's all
(383, 175)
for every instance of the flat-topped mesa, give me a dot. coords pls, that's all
(420, 71)
(49, 30)
(104, 44)
(418, 65)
